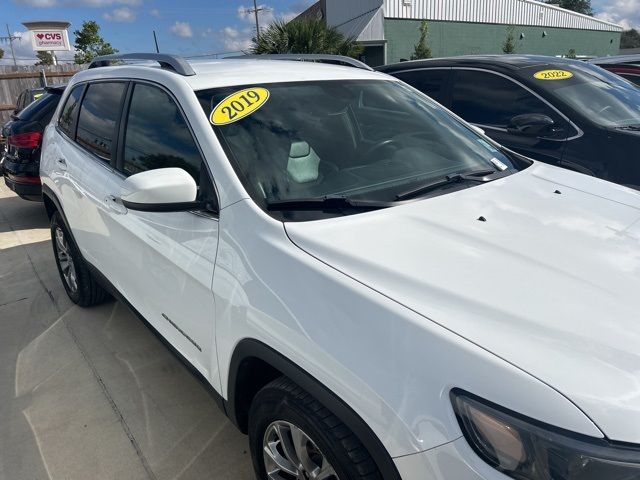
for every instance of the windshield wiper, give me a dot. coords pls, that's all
(327, 203)
(479, 176)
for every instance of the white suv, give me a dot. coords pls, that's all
(372, 288)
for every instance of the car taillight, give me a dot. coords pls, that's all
(25, 140)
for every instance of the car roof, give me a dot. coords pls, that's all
(510, 62)
(215, 73)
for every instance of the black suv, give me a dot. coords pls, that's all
(21, 162)
(564, 112)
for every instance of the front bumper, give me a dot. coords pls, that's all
(453, 460)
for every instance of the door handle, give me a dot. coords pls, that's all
(63, 163)
(114, 205)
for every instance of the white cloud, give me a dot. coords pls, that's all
(235, 40)
(123, 14)
(623, 12)
(154, 12)
(181, 29)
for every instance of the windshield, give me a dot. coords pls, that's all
(358, 139)
(602, 96)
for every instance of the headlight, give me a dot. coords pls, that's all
(526, 449)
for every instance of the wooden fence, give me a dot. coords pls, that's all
(14, 80)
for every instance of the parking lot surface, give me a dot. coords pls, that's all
(92, 393)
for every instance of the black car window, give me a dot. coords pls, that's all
(98, 117)
(597, 95)
(432, 82)
(157, 135)
(69, 115)
(489, 99)
(42, 109)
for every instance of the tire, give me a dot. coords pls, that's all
(277, 411)
(80, 286)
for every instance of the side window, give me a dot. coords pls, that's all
(69, 115)
(431, 82)
(157, 135)
(99, 113)
(489, 99)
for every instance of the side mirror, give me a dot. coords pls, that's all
(531, 125)
(161, 190)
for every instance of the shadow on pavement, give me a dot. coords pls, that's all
(92, 393)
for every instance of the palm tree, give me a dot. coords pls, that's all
(304, 36)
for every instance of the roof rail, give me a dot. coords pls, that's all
(166, 61)
(310, 57)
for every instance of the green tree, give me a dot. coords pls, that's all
(421, 49)
(89, 44)
(572, 53)
(304, 36)
(1, 53)
(580, 6)
(44, 58)
(630, 39)
(509, 45)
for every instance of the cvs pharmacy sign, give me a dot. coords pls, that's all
(50, 40)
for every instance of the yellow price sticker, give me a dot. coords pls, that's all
(553, 75)
(37, 96)
(239, 105)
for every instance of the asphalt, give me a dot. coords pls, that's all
(92, 393)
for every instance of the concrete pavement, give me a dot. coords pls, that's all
(92, 393)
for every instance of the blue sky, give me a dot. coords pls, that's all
(189, 27)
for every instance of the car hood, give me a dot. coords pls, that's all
(542, 268)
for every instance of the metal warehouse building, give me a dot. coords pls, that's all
(389, 29)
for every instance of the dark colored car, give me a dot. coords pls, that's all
(26, 97)
(21, 161)
(627, 66)
(564, 112)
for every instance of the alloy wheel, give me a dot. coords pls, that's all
(289, 454)
(65, 260)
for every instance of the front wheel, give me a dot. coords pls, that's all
(293, 437)
(76, 277)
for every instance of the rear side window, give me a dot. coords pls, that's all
(489, 99)
(42, 109)
(99, 113)
(69, 115)
(431, 82)
(157, 135)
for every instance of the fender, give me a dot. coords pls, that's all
(48, 194)
(250, 348)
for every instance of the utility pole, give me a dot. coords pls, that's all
(11, 38)
(255, 10)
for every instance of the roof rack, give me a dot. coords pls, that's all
(166, 61)
(310, 57)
